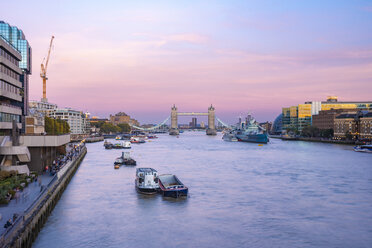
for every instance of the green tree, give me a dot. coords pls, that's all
(310, 131)
(124, 127)
(97, 124)
(109, 128)
(56, 126)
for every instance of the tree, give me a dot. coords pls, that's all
(97, 124)
(310, 131)
(124, 127)
(109, 128)
(56, 126)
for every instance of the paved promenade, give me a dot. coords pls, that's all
(24, 199)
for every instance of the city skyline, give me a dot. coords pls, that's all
(142, 58)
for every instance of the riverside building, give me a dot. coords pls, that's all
(77, 120)
(357, 125)
(11, 98)
(16, 38)
(300, 116)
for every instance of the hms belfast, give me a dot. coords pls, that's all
(247, 131)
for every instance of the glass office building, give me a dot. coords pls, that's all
(17, 39)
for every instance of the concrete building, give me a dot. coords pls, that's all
(43, 107)
(11, 99)
(16, 38)
(76, 119)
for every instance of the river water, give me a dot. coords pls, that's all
(283, 194)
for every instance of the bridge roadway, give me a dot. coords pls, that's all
(191, 113)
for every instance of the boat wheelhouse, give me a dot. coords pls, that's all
(147, 181)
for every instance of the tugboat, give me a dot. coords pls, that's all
(107, 145)
(125, 159)
(171, 186)
(147, 181)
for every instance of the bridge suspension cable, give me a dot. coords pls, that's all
(223, 123)
(150, 128)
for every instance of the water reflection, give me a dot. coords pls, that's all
(284, 194)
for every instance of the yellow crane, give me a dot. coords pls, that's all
(43, 71)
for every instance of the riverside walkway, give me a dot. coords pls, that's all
(23, 200)
(32, 200)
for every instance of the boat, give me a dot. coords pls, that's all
(116, 166)
(107, 145)
(152, 137)
(171, 186)
(125, 159)
(250, 131)
(147, 181)
(229, 136)
(118, 146)
(137, 140)
(127, 145)
(363, 148)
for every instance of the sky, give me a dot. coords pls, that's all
(141, 57)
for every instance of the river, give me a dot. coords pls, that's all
(283, 194)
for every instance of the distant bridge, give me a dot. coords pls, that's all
(211, 130)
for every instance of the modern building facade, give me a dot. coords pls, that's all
(300, 116)
(11, 97)
(17, 39)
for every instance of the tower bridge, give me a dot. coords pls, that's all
(211, 130)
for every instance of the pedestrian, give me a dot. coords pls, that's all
(8, 223)
(39, 180)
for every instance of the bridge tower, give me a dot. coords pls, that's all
(211, 119)
(174, 122)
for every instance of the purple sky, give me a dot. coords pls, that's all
(142, 57)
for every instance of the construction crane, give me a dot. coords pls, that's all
(43, 72)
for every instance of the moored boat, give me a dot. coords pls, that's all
(107, 145)
(127, 145)
(118, 146)
(171, 186)
(125, 159)
(137, 140)
(363, 148)
(229, 136)
(147, 181)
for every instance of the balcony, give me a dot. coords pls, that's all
(10, 109)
